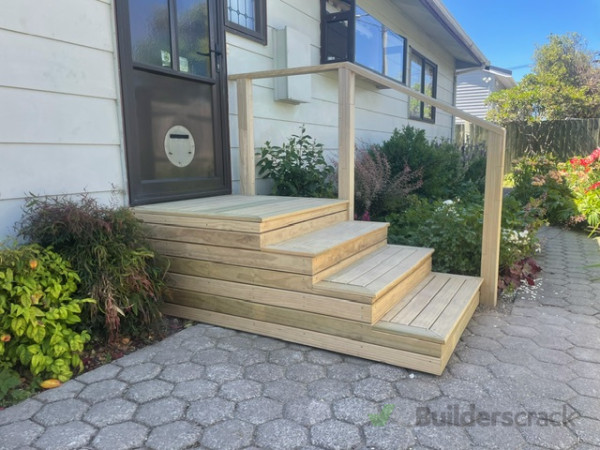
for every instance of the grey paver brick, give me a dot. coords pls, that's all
(269, 344)
(121, 436)
(22, 411)
(172, 356)
(305, 372)
(160, 412)
(281, 434)
(373, 389)
(328, 389)
(390, 436)
(249, 357)
(588, 387)
(140, 372)
(62, 411)
(323, 357)
(307, 411)
(284, 390)
(387, 372)
(265, 372)
(587, 429)
(418, 389)
(259, 410)
(218, 332)
(182, 372)
(137, 357)
(211, 356)
(496, 437)
(463, 390)
(354, 410)
(471, 372)
(554, 437)
(443, 437)
(102, 390)
(208, 411)
(174, 436)
(106, 372)
(145, 391)
(238, 390)
(65, 436)
(335, 435)
(70, 389)
(586, 406)
(286, 357)
(196, 344)
(195, 390)
(228, 435)
(19, 434)
(224, 372)
(347, 372)
(237, 342)
(110, 412)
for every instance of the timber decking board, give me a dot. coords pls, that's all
(321, 241)
(241, 208)
(377, 273)
(431, 310)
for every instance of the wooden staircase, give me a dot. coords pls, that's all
(299, 270)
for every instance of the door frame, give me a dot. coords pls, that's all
(128, 102)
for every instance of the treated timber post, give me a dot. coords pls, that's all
(492, 215)
(246, 136)
(347, 81)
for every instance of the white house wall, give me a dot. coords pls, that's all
(471, 91)
(378, 111)
(60, 129)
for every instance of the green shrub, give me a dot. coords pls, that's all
(454, 229)
(38, 314)
(108, 249)
(297, 168)
(440, 162)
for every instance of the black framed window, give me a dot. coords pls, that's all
(423, 78)
(247, 18)
(349, 33)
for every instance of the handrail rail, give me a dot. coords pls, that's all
(370, 76)
(347, 73)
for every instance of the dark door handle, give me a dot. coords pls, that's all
(216, 52)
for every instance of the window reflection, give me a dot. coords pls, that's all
(193, 36)
(150, 32)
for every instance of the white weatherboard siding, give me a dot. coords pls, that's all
(60, 129)
(378, 111)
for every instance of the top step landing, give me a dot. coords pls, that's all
(254, 214)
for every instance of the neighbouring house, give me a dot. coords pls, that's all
(160, 105)
(473, 87)
(93, 91)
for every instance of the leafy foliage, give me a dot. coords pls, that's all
(297, 168)
(454, 229)
(38, 313)
(376, 190)
(564, 83)
(108, 249)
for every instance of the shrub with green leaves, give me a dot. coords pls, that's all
(298, 168)
(454, 229)
(108, 249)
(38, 313)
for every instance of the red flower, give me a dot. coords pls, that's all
(593, 187)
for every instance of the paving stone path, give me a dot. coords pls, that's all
(524, 376)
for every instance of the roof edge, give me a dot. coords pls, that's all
(439, 10)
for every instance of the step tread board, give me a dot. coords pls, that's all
(240, 208)
(377, 272)
(433, 308)
(321, 241)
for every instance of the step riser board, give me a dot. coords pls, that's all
(403, 358)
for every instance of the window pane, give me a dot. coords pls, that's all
(415, 83)
(150, 32)
(369, 41)
(193, 35)
(337, 6)
(337, 41)
(394, 56)
(242, 12)
(428, 90)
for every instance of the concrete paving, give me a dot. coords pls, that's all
(524, 376)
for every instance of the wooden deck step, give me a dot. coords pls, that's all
(435, 310)
(251, 214)
(332, 245)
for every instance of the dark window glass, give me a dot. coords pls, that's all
(422, 79)
(150, 32)
(248, 18)
(193, 36)
(337, 48)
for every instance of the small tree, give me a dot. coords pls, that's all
(564, 83)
